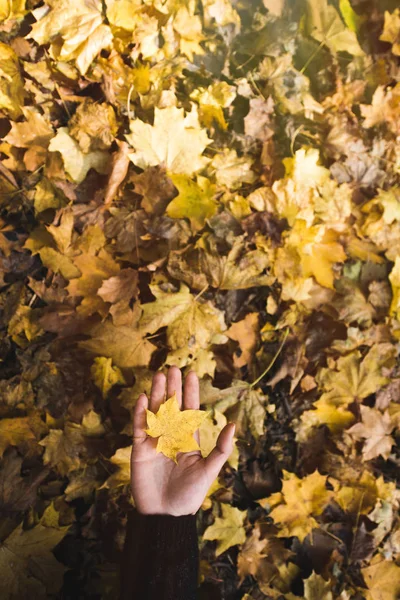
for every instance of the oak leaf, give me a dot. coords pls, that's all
(174, 428)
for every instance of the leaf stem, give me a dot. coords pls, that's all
(272, 361)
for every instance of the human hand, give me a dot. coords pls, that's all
(158, 484)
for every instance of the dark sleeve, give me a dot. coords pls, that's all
(160, 558)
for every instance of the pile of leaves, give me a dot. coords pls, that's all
(211, 184)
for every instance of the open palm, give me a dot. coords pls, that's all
(158, 484)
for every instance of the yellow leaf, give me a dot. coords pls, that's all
(76, 163)
(190, 323)
(382, 578)
(391, 30)
(394, 278)
(174, 428)
(64, 448)
(194, 201)
(11, 83)
(94, 270)
(104, 375)
(121, 458)
(175, 141)
(80, 27)
(124, 344)
(231, 170)
(203, 264)
(318, 250)
(94, 126)
(299, 501)
(209, 432)
(27, 563)
(326, 26)
(212, 100)
(316, 588)
(35, 131)
(375, 428)
(15, 432)
(190, 31)
(228, 530)
(12, 9)
(251, 555)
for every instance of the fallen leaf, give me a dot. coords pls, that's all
(375, 427)
(228, 530)
(174, 141)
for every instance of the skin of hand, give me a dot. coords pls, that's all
(158, 485)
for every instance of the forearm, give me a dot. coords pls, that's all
(160, 559)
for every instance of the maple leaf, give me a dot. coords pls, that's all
(189, 29)
(35, 131)
(190, 323)
(299, 502)
(76, 163)
(316, 588)
(174, 428)
(382, 578)
(375, 428)
(15, 432)
(230, 170)
(11, 83)
(122, 459)
(209, 431)
(326, 26)
(27, 563)
(104, 375)
(353, 379)
(94, 271)
(80, 27)
(203, 264)
(391, 30)
(175, 141)
(64, 448)
(124, 344)
(196, 200)
(12, 9)
(228, 530)
(251, 554)
(212, 100)
(93, 126)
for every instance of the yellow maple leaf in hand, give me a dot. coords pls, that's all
(174, 428)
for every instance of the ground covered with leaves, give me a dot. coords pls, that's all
(212, 185)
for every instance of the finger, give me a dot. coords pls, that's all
(139, 420)
(218, 457)
(191, 396)
(174, 384)
(157, 394)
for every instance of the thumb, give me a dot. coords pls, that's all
(220, 454)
